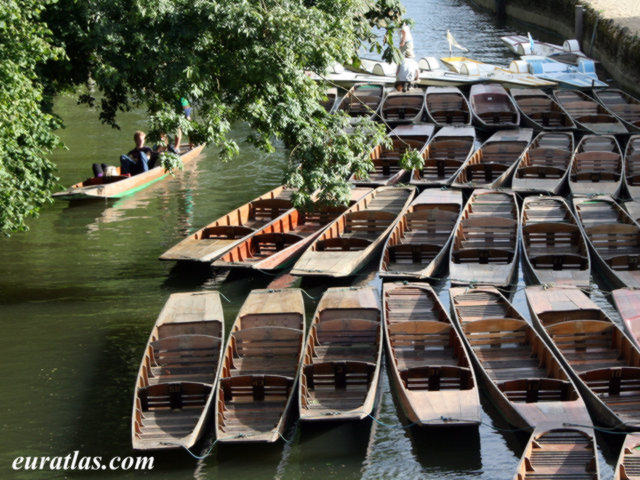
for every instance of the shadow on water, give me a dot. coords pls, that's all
(447, 449)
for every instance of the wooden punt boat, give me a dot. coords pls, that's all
(628, 465)
(485, 240)
(260, 367)
(539, 111)
(447, 106)
(492, 165)
(447, 151)
(621, 105)
(544, 167)
(119, 186)
(332, 100)
(353, 238)
(632, 167)
(418, 244)
(492, 107)
(560, 453)
(554, 248)
(283, 240)
(178, 373)
(341, 365)
(403, 107)
(523, 377)
(217, 237)
(603, 361)
(597, 167)
(614, 240)
(429, 366)
(386, 160)
(588, 114)
(633, 208)
(627, 302)
(363, 100)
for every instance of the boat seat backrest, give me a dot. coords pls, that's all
(413, 253)
(173, 396)
(347, 332)
(609, 238)
(228, 232)
(370, 314)
(204, 327)
(269, 209)
(186, 351)
(368, 221)
(267, 341)
(613, 381)
(532, 390)
(437, 378)
(284, 319)
(534, 103)
(550, 233)
(549, 156)
(339, 374)
(257, 388)
(400, 146)
(560, 261)
(321, 216)
(420, 335)
(446, 101)
(582, 335)
(266, 244)
(496, 333)
(581, 107)
(449, 149)
(342, 244)
(607, 161)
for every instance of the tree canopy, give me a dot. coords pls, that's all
(241, 60)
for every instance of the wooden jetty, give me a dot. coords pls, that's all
(260, 367)
(485, 242)
(342, 356)
(429, 366)
(354, 237)
(418, 245)
(179, 373)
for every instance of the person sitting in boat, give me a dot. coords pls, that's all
(139, 159)
(407, 73)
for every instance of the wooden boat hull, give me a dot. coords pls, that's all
(363, 100)
(342, 357)
(447, 106)
(632, 168)
(603, 166)
(260, 367)
(625, 107)
(126, 186)
(491, 101)
(424, 229)
(560, 453)
(189, 322)
(424, 404)
(629, 458)
(587, 114)
(534, 113)
(213, 240)
(582, 335)
(627, 302)
(551, 237)
(403, 107)
(469, 260)
(363, 227)
(633, 209)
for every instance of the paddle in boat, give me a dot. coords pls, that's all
(627, 302)
(545, 164)
(260, 367)
(118, 186)
(492, 107)
(179, 373)
(283, 240)
(447, 151)
(342, 356)
(632, 168)
(354, 237)
(429, 366)
(628, 465)
(621, 105)
(418, 245)
(588, 114)
(485, 241)
(492, 165)
(403, 107)
(554, 248)
(539, 111)
(597, 167)
(603, 362)
(447, 106)
(214, 239)
(363, 100)
(386, 160)
(614, 240)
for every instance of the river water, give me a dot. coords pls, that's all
(80, 291)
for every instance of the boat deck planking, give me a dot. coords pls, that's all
(597, 167)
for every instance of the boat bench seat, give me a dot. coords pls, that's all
(206, 327)
(420, 334)
(173, 396)
(184, 358)
(440, 168)
(581, 107)
(410, 252)
(483, 256)
(559, 261)
(401, 112)
(541, 171)
(549, 156)
(270, 208)
(338, 374)
(266, 244)
(499, 116)
(496, 335)
(550, 119)
(257, 388)
(267, 341)
(230, 232)
(445, 102)
(613, 381)
(487, 172)
(454, 114)
(344, 243)
(437, 378)
(532, 390)
(618, 244)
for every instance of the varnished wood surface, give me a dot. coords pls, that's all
(447, 106)
(597, 167)
(539, 111)
(492, 107)
(587, 113)
(621, 105)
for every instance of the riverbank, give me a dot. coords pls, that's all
(616, 23)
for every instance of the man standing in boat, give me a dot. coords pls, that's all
(407, 73)
(406, 41)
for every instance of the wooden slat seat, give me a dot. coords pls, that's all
(174, 396)
(256, 388)
(206, 327)
(230, 232)
(483, 256)
(615, 381)
(488, 171)
(267, 342)
(451, 115)
(413, 253)
(436, 378)
(541, 171)
(531, 390)
(269, 208)
(184, 358)
(266, 244)
(559, 261)
(338, 374)
(344, 244)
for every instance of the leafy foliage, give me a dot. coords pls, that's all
(26, 131)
